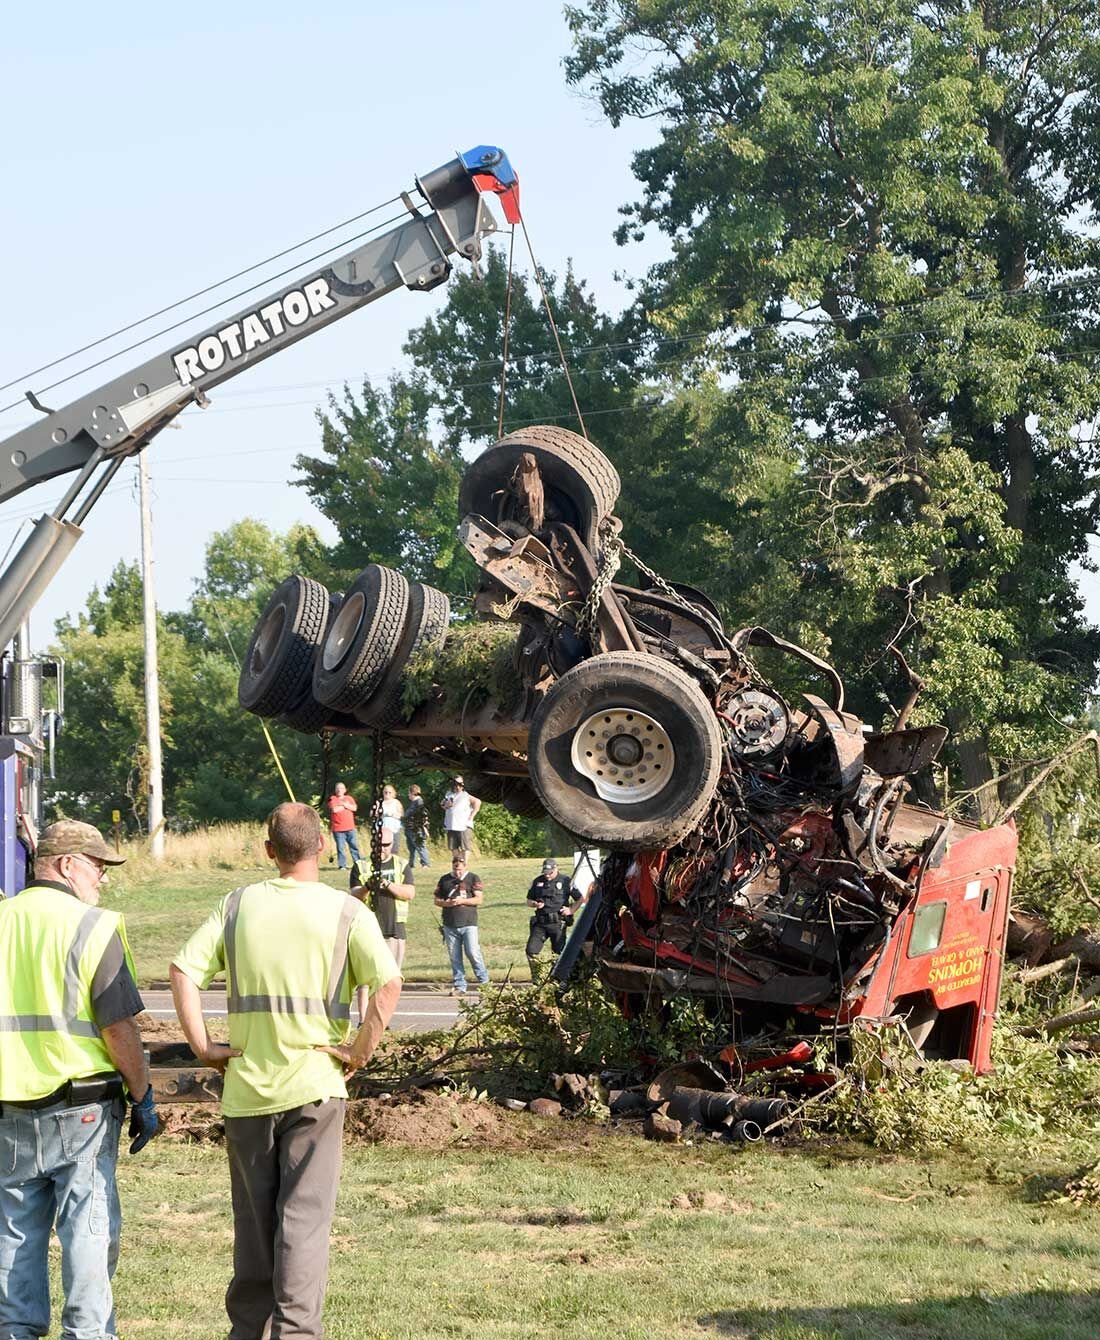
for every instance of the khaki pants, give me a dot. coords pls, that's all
(283, 1171)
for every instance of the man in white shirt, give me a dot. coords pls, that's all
(459, 809)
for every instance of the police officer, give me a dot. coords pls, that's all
(293, 951)
(554, 900)
(70, 1050)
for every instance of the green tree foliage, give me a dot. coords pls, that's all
(877, 215)
(217, 765)
(460, 353)
(387, 487)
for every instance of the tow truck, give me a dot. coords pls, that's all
(93, 436)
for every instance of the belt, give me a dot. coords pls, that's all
(73, 1093)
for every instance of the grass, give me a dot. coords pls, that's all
(163, 906)
(622, 1238)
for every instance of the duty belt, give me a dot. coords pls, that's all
(73, 1093)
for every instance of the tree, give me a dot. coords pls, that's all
(393, 458)
(217, 764)
(387, 487)
(875, 217)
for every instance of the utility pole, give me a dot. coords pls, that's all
(152, 676)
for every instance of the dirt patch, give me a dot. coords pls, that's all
(168, 1030)
(418, 1120)
(193, 1123)
(435, 1120)
(159, 1030)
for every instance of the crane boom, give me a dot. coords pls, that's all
(93, 435)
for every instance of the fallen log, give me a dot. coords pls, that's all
(1060, 1023)
(1048, 969)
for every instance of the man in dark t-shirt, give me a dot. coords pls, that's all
(553, 899)
(459, 895)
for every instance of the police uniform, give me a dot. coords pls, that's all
(293, 953)
(547, 923)
(66, 973)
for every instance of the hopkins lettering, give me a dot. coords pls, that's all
(252, 330)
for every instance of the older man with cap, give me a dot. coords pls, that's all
(554, 900)
(70, 1051)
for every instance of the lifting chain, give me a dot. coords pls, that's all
(588, 619)
(746, 667)
(378, 777)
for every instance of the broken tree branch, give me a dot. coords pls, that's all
(1060, 1023)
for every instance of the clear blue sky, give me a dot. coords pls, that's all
(150, 150)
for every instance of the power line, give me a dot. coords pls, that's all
(826, 326)
(199, 293)
(241, 293)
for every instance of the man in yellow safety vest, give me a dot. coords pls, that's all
(293, 951)
(69, 1050)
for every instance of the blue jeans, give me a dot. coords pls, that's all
(457, 938)
(418, 846)
(346, 842)
(59, 1162)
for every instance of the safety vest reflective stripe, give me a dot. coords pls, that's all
(339, 969)
(68, 1022)
(83, 934)
(331, 1006)
(229, 936)
(290, 1005)
(47, 1023)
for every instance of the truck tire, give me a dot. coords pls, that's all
(309, 717)
(581, 485)
(625, 751)
(425, 630)
(278, 665)
(363, 639)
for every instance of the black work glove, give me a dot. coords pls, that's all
(144, 1122)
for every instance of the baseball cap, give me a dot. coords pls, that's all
(549, 865)
(70, 837)
(459, 780)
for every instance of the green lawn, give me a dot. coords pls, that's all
(620, 1238)
(162, 912)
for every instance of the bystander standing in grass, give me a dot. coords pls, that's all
(293, 950)
(389, 900)
(416, 828)
(342, 809)
(459, 811)
(459, 895)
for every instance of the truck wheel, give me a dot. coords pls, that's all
(363, 639)
(580, 484)
(278, 664)
(308, 716)
(625, 751)
(425, 631)
(311, 717)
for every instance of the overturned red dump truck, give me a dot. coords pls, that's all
(763, 853)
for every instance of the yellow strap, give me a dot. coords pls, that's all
(278, 761)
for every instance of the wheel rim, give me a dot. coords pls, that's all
(344, 628)
(267, 639)
(627, 755)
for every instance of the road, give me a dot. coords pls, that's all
(418, 1010)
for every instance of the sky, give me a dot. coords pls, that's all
(161, 149)
(149, 151)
